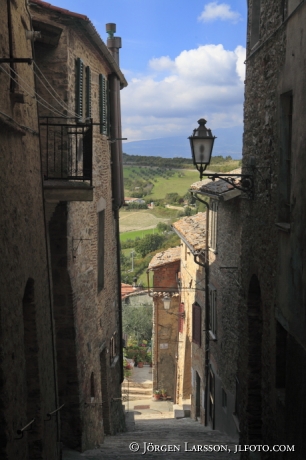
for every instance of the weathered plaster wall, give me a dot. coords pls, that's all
(27, 383)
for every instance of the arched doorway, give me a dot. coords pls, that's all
(254, 380)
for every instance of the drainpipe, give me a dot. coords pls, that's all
(113, 44)
(155, 313)
(206, 267)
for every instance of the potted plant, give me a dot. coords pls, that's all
(156, 395)
(164, 394)
(148, 358)
(139, 361)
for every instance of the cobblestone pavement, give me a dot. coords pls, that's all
(154, 433)
(183, 434)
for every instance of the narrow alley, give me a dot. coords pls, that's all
(154, 432)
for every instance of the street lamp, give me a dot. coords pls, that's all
(201, 143)
(167, 302)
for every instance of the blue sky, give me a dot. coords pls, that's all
(183, 59)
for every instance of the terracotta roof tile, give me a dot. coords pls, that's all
(193, 230)
(59, 10)
(165, 257)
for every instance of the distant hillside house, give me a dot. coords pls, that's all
(134, 201)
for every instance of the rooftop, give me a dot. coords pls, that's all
(192, 229)
(126, 289)
(60, 15)
(165, 257)
(218, 188)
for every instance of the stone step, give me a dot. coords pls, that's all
(181, 410)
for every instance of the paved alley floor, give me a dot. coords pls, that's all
(154, 433)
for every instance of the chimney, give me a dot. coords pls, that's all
(113, 43)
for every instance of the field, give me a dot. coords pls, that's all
(138, 220)
(136, 234)
(163, 181)
(143, 220)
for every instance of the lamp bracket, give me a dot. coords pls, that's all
(246, 183)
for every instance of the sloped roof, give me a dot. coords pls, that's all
(92, 33)
(218, 188)
(192, 230)
(165, 257)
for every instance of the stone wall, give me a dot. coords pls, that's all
(90, 380)
(165, 330)
(273, 287)
(27, 382)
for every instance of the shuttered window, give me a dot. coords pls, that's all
(88, 92)
(212, 310)
(104, 111)
(101, 245)
(196, 324)
(79, 96)
(213, 214)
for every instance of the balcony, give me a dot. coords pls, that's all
(66, 147)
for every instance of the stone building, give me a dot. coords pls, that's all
(190, 381)
(81, 156)
(166, 267)
(271, 378)
(222, 286)
(28, 382)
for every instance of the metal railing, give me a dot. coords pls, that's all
(66, 147)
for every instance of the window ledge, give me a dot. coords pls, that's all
(284, 226)
(212, 336)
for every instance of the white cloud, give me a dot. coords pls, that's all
(214, 11)
(203, 82)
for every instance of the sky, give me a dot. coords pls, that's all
(183, 60)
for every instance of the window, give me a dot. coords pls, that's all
(83, 89)
(255, 23)
(196, 324)
(104, 105)
(284, 203)
(212, 311)
(213, 225)
(88, 92)
(101, 232)
(181, 319)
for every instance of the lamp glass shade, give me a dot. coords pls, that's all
(167, 302)
(201, 149)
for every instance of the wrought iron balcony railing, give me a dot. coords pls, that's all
(66, 149)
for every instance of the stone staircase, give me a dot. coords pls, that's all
(132, 391)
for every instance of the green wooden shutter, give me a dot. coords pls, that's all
(103, 93)
(79, 86)
(88, 92)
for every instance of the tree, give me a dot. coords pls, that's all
(137, 322)
(148, 244)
